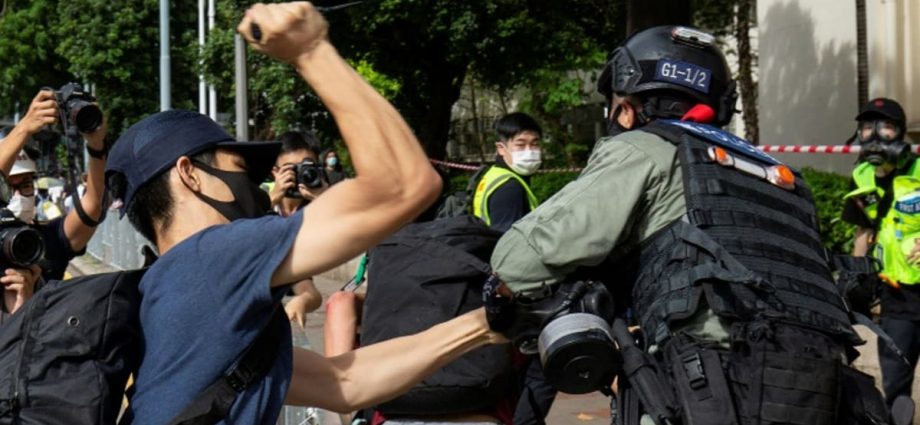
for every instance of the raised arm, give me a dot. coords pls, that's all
(43, 111)
(394, 181)
(79, 233)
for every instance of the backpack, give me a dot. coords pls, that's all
(461, 202)
(65, 357)
(425, 274)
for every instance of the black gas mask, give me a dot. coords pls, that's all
(570, 330)
(881, 142)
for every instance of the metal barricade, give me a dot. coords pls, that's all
(117, 244)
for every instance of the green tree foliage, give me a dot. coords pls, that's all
(28, 60)
(828, 190)
(113, 44)
(420, 52)
(417, 52)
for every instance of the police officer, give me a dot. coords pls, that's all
(883, 206)
(712, 245)
(503, 194)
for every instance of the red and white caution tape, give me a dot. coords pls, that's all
(841, 149)
(474, 167)
(457, 165)
(845, 149)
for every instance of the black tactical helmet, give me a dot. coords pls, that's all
(672, 58)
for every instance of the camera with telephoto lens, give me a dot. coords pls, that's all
(20, 245)
(308, 173)
(571, 332)
(78, 109)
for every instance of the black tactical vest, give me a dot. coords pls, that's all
(747, 248)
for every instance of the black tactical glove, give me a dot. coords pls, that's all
(521, 319)
(499, 309)
(858, 281)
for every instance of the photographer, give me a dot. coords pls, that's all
(65, 237)
(290, 192)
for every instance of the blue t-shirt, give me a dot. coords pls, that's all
(203, 303)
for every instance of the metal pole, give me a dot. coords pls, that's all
(165, 77)
(212, 93)
(242, 106)
(202, 88)
(16, 114)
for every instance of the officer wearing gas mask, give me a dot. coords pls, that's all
(883, 206)
(708, 245)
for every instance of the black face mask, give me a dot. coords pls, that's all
(249, 201)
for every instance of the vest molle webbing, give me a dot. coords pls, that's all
(751, 247)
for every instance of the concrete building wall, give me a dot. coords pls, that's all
(808, 78)
(894, 59)
(808, 83)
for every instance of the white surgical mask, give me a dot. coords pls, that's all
(525, 162)
(23, 207)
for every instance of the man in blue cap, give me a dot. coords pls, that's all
(193, 191)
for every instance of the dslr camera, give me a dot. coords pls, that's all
(20, 245)
(308, 173)
(79, 114)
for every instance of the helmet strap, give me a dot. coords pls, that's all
(663, 107)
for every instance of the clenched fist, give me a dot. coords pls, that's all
(288, 30)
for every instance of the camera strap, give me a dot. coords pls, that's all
(84, 217)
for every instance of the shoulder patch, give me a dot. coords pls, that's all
(724, 139)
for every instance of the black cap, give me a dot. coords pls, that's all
(152, 146)
(882, 107)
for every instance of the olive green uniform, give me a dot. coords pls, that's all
(630, 189)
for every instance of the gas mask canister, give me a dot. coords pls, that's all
(571, 332)
(881, 142)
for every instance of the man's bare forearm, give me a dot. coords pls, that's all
(42, 111)
(861, 241)
(77, 232)
(10, 147)
(379, 372)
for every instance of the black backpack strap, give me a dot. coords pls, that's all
(84, 217)
(671, 133)
(213, 404)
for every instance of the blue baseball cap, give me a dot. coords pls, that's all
(151, 147)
